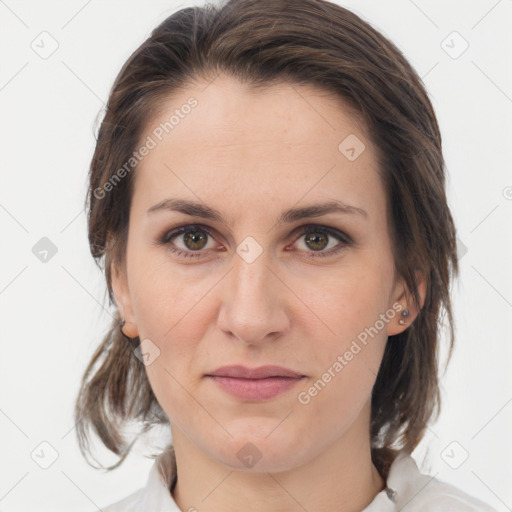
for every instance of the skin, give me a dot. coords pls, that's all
(252, 155)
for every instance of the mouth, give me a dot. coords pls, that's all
(255, 384)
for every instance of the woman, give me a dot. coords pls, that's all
(268, 193)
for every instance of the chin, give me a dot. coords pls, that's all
(263, 452)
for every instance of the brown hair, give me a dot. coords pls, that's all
(301, 42)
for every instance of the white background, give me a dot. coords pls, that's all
(53, 316)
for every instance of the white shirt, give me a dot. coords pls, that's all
(407, 490)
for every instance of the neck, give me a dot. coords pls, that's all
(340, 479)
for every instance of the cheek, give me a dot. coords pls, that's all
(346, 372)
(164, 296)
(175, 323)
(354, 310)
(169, 315)
(346, 301)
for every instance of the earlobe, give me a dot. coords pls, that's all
(404, 314)
(123, 301)
(407, 312)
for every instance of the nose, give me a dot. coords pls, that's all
(254, 302)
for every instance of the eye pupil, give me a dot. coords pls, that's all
(194, 237)
(316, 239)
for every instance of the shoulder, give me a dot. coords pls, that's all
(156, 495)
(127, 504)
(441, 496)
(416, 491)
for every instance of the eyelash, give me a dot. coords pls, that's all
(344, 239)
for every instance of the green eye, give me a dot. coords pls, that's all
(195, 238)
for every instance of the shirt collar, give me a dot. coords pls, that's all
(157, 495)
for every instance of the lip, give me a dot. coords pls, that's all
(255, 384)
(262, 372)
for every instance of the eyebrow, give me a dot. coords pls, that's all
(197, 209)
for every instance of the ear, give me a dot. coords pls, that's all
(123, 300)
(402, 297)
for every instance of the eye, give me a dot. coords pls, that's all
(189, 241)
(191, 238)
(318, 238)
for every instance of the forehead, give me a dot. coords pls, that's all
(222, 139)
(226, 107)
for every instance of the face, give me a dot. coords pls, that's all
(310, 291)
